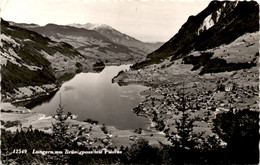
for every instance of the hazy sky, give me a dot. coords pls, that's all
(146, 20)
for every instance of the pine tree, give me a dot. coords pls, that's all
(240, 131)
(182, 137)
(65, 139)
(61, 136)
(186, 144)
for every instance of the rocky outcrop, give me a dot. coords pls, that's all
(220, 23)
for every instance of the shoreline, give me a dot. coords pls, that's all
(44, 122)
(35, 96)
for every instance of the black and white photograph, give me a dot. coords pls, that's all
(129, 82)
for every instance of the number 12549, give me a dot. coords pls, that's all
(19, 151)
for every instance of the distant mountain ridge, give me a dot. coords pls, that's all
(90, 26)
(220, 23)
(89, 43)
(120, 38)
(98, 42)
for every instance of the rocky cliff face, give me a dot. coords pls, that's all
(221, 40)
(220, 23)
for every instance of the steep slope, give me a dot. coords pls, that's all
(236, 61)
(29, 62)
(222, 39)
(212, 61)
(90, 43)
(220, 23)
(120, 38)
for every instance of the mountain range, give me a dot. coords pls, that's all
(120, 38)
(98, 42)
(49, 54)
(56, 51)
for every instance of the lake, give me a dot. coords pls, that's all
(94, 96)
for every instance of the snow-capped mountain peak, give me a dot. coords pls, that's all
(90, 26)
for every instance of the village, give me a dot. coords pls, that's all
(204, 99)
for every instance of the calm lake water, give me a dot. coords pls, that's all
(94, 96)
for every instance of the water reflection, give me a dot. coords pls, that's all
(30, 104)
(94, 96)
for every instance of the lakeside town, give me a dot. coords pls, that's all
(68, 97)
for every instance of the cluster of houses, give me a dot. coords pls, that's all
(166, 101)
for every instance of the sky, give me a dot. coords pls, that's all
(146, 20)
